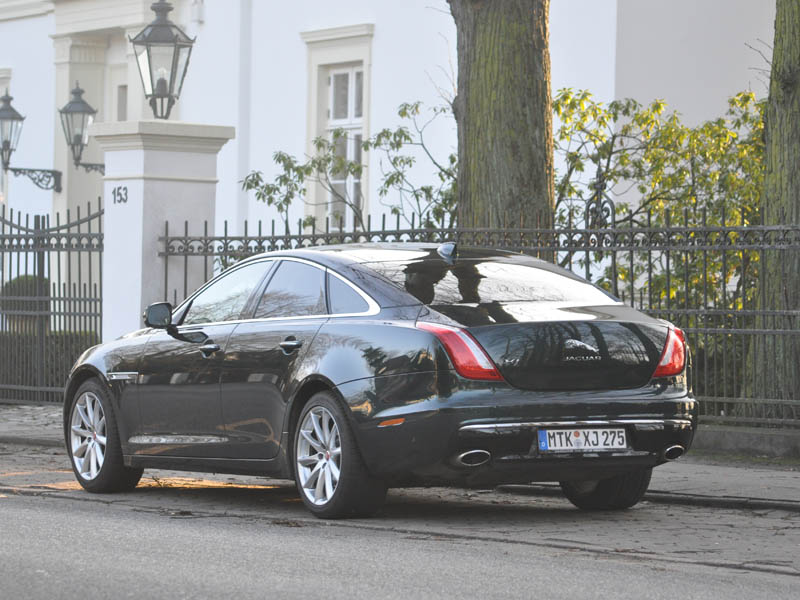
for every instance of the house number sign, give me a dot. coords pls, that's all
(120, 194)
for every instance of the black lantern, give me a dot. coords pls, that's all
(10, 128)
(76, 117)
(162, 52)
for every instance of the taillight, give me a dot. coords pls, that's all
(469, 359)
(673, 359)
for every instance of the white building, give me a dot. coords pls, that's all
(284, 72)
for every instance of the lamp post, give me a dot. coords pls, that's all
(10, 129)
(76, 117)
(162, 53)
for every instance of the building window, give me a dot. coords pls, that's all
(339, 66)
(346, 113)
(122, 103)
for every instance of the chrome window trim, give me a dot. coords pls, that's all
(493, 427)
(373, 309)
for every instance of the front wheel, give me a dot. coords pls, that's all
(93, 443)
(615, 493)
(329, 471)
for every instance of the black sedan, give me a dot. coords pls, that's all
(355, 368)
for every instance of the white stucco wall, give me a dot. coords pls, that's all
(413, 58)
(249, 67)
(413, 44)
(26, 48)
(694, 54)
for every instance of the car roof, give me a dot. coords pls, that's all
(371, 252)
(359, 263)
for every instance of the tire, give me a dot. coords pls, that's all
(617, 493)
(90, 420)
(324, 445)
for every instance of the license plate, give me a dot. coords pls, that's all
(581, 440)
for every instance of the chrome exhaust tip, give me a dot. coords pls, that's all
(474, 458)
(673, 452)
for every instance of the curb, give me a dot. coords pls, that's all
(663, 497)
(753, 441)
(27, 441)
(656, 496)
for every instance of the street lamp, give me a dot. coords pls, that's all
(162, 53)
(10, 128)
(76, 117)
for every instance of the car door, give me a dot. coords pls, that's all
(179, 403)
(263, 356)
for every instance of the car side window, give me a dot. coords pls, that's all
(296, 290)
(225, 298)
(343, 298)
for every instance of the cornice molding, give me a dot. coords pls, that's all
(338, 33)
(75, 49)
(83, 16)
(19, 9)
(162, 135)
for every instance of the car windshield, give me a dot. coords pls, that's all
(434, 281)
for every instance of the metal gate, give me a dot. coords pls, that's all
(50, 299)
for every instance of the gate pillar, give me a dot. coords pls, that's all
(157, 172)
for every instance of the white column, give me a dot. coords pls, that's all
(5, 82)
(156, 172)
(82, 59)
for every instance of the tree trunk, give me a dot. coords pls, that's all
(781, 199)
(503, 111)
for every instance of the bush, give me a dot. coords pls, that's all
(22, 363)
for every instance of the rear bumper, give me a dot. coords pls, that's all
(425, 447)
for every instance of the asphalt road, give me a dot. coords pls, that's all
(179, 536)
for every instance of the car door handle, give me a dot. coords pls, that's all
(290, 344)
(209, 349)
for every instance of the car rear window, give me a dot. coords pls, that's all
(482, 281)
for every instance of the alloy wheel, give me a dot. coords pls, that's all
(88, 435)
(319, 455)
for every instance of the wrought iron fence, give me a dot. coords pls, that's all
(50, 299)
(708, 276)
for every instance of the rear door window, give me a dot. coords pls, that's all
(296, 290)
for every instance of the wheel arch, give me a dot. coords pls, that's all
(305, 391)
(76, 379)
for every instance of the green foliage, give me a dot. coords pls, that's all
(664, 172)
(629, 149)
(24, 286)
(326, 165)
(427, 205)
(61, 350)
(660, 170)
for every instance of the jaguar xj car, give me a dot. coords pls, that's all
(352, 369)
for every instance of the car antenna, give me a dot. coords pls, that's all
(448, 251)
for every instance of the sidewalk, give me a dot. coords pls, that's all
(694, 480)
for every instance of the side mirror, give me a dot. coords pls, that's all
(158, 315)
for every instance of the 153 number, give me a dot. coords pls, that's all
(120, 194)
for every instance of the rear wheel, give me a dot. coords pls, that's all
(329, 471)
(616, 493)
(93, 443)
